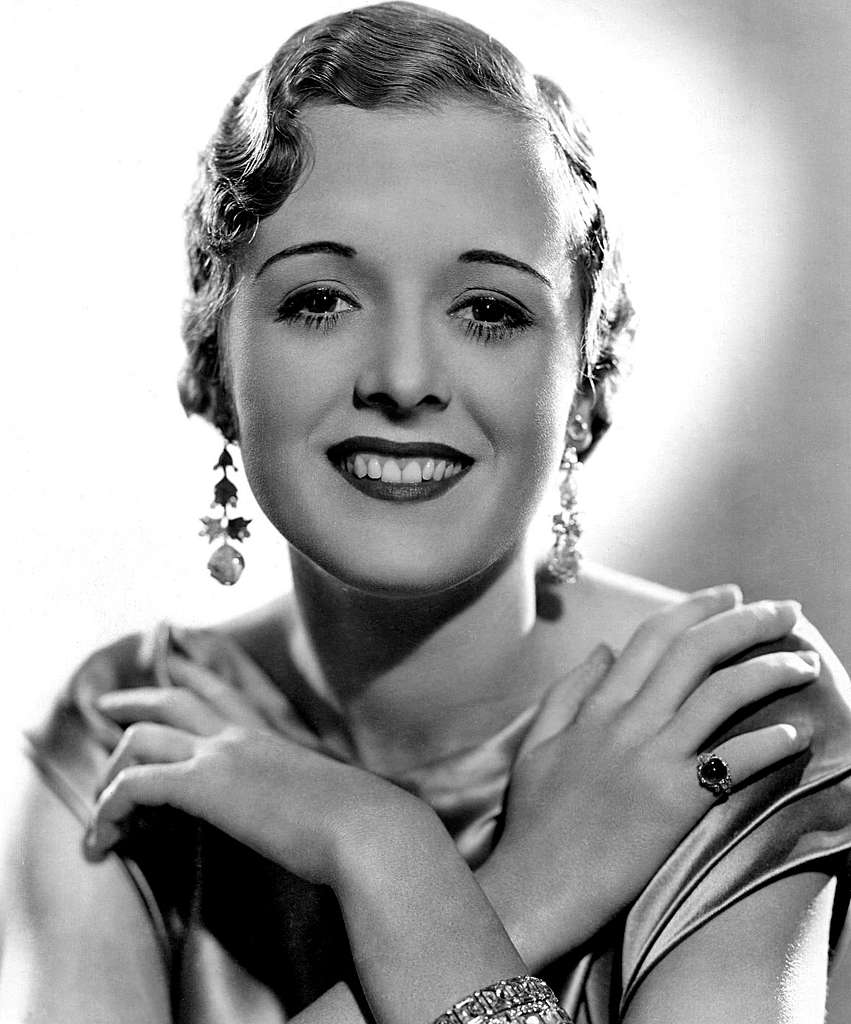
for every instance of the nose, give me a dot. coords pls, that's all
(402, 373)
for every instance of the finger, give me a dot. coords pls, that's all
(563, 700)
(172, 706)
(754, 752)
(655, 635)
(147, 743)
(219, 693)
(694, 653)
(728, 691)
(151, 785)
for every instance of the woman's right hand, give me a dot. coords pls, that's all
(604, 786)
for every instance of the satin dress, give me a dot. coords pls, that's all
(244, 940)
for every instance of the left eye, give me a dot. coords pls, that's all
(491, 318)
(315, 307)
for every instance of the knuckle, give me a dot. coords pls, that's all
(227, 744)
(654, 774)
(177, 699)
(125, 780)
(134, 735)
(691, 644)
(659, 626)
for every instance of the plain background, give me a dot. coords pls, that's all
(723, 126)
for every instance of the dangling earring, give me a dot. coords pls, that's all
(565, 558)
(226, 563)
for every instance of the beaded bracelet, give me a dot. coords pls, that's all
(520, 1000)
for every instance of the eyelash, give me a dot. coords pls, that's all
(291, 311)
(486, 333)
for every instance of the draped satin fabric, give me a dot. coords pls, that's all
(245, 940)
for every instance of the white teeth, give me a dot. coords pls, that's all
(399, 471)
(391, 473)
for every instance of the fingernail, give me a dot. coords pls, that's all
(792, 606)
(733, 590)
(800, 735)
(91, 848)
(810, 658)
(601, 656)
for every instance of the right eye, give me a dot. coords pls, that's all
(318, 308)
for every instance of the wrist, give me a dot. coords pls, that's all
(420, 928)
(545, 918)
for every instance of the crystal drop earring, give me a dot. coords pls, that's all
(565, 557)
(226, 562)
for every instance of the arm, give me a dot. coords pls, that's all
(61, 919)
(763, 960)
(78, 946)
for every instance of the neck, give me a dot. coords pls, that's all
(413, 678)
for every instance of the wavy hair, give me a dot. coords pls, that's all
(400, 55)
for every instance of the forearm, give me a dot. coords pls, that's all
(542, 924)
(421, 931)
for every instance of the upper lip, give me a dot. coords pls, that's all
(397, 449)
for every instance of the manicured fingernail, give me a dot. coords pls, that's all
(91, 847)
(810, 658)
(600, 657)
(799, 735)
(789, 606)
(100, 839)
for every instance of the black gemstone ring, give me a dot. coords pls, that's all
(713, 773)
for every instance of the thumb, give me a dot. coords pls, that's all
(563, 699)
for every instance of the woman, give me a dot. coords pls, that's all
(425, 770)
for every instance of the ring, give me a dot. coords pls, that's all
(713, 773)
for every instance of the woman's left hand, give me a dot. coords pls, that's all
(204, 748)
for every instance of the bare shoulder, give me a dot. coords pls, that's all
(604, 605)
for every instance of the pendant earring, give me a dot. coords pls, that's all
(565, 557)
(226, 562)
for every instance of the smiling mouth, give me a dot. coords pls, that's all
(399, 472)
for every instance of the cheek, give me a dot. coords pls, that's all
(281, 394)
(528, 408)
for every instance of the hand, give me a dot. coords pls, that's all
(604, 785)
(203, 747)
(383, 852)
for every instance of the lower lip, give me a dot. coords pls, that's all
(425, 491)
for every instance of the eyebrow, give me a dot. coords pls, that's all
(501, 260)
(307, 249)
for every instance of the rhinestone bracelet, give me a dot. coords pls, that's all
(520, 1000)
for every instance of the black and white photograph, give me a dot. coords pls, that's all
(427, 445)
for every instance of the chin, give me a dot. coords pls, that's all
(402, 573)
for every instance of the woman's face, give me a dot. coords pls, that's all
(403, 345)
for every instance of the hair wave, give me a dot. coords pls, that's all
(393, 54)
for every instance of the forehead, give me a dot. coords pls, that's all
(425, 182)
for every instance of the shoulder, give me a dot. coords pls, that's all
(604, 606)
(73, 740)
